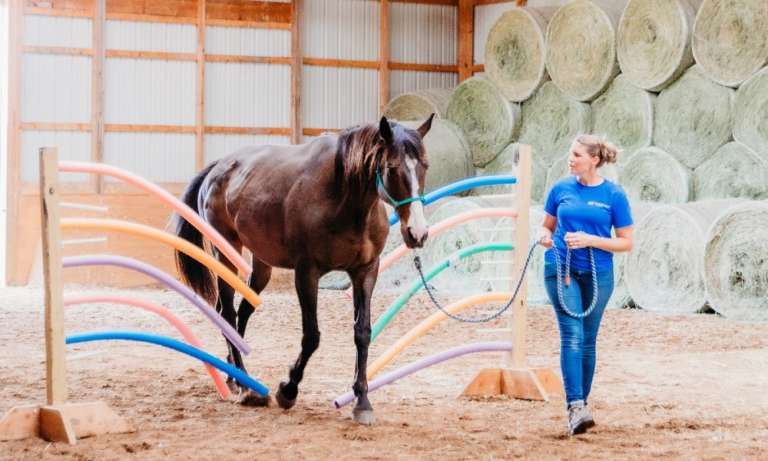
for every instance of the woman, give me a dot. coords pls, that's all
(580, 211)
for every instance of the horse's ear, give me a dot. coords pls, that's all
(424, 128)
(385, 130)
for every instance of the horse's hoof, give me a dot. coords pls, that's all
(364, 417)
(284, 402)
(252, 399)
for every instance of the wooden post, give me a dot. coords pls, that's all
(200, 105)
(522, 242)
(384, 55)
(56, 380)
(466, 38)
(97, 89)
(57, 421)
(296, 63)
(13, 275)
(516, 380)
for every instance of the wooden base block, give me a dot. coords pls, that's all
(62, 423)
(519, 383)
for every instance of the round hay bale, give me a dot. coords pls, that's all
(664, 271)
(624, 114)
(560, 170)
(730, 39)
(448, 154)
(693, 118)
(654, 41)
(551, 121)
(504, 163)
(750, 113)
(515, 52)
(736, 262)
(581, 47)
(470, 274)
(653, 175)
(488, 119)
(418, 105)
(620, 296)
(734, 171)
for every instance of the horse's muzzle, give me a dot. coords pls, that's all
(416, 239)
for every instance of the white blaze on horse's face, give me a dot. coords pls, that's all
(417, 224)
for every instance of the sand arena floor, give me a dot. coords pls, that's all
(677, 387)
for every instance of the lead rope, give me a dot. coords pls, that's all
(488, 318)
(560, 283)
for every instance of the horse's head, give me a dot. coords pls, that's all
(401, 179)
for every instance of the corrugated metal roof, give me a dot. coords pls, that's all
(159, 157)
(247, 42)
(338, 98)
(151, 36)
(341, 29)
(55, 88)
(57, 31)
(402, 81)
(424, 34)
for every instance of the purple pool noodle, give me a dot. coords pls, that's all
(151, 271)
(387, 378)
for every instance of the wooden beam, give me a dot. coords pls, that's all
(97, 88)
(133, 128)
(57, 50)
(56, 377)
(384, 55)
(249, 24)
(272, 131)
(446, 68)
(478, 68)
(297, 11)
(429, 2)
(66, 13)
(200, 103)
(112, 16)
(54, 126)
(466, 38)
(13, 276)
(277, 60)
(166, 56)
(319, 131)
(323, 62)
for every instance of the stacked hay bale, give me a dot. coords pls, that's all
(681, 86)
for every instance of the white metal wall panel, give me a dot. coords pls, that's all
(151, 36)
(423, 34)
(159, 157)
(56, 31)
(341, 29)
(403, 81)
(247, 94)
(72, 145)
(221, 145)
(145, 91)
(241, 41)
(338, 98)
(55, 88)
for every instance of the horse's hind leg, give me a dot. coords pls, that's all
(363, 282)
(306, 287)
(258, 280)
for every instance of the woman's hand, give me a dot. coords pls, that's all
(545, 238)
(576, 240)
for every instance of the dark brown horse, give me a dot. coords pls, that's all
(312, 208)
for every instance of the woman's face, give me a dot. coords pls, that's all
(579, 161)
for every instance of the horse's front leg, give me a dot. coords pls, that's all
(306, 279)
(363, 281)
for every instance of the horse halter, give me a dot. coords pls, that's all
(395, 203)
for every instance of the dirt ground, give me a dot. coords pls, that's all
(673, 387)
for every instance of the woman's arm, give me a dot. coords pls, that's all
(622, 241)
(547, 228)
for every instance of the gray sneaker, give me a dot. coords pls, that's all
(579, 418)
(590, 421)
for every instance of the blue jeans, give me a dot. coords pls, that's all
(578, 337)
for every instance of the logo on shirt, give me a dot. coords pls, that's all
(598, 204)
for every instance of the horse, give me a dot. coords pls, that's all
(313, 208)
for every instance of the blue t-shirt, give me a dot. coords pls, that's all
(590, 209)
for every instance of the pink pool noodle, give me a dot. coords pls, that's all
(185, 211)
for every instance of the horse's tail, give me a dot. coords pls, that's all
(192, 272)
